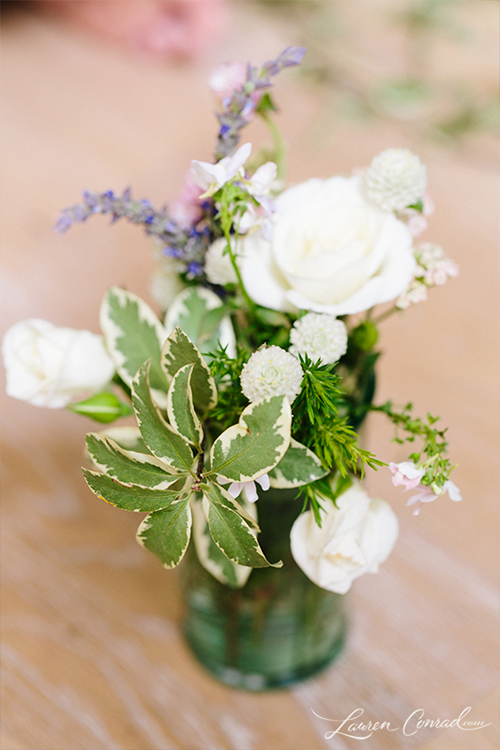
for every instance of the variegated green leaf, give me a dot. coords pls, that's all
(213, 560)
(298, 466)
(166, 532)
(203, 318)
(180, 408)
(128, 467)
(217, 494)
(128, 497)
(256, 444)
(178, 351)
(128, 437)
(133, 334)
(233, 536)
(162, 440)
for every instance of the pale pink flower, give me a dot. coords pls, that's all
(452, 490)
(426, 495)
(406, 473)
(228, 78)
(185, 209)
(249, 488)
(416, 224)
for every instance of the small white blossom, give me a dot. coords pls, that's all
(271, 371)
(262, 180)
(211, 177)
(218, 266)
(249, 488)
(320, 337)
(395, 179)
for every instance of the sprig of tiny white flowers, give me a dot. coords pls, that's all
(320, 337)
(433, 269)
(271, 371)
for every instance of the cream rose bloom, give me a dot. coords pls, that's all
(331, 251)
(355, 538)
(50, 366)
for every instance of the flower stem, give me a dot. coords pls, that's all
(279, 145)
(232, 256)
(385, 315)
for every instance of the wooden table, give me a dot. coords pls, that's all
(92, 653)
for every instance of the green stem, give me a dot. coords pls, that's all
(385, 315)
(279, 145)
(244, 292)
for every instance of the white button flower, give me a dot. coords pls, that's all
(51, 367)
(354, 539)
(211, 177)
(320, 337)
(271, 371)
(395, 179)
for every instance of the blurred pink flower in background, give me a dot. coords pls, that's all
(161, 28)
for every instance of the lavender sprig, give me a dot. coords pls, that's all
(155, 223)
(238, 107)
(186, 246)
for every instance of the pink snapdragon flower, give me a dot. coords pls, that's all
(248, 487)
(406, 473)
(428, 494)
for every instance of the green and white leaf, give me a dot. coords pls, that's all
(129, 497)
(217, 494)
(162, 440)
(234, 537)
(180, 407)
(128, 437)
(133, 334)
(256, 444)
(166, 532)
(203, 317)
(128, 467)
(179, 351)
(210, 556)
(298, 466)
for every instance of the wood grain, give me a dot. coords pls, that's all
(92, 654)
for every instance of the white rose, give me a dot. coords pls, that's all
(355, 538)
(50, 366)
(331, 251)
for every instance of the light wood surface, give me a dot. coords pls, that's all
(92, 653)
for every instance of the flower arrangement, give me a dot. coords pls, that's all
(261, 370)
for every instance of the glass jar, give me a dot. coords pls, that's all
(279, 628)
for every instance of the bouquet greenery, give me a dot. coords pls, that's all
(262, 369)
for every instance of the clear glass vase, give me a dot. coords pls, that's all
(279, 628)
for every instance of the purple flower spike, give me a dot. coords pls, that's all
(292, 56)
(64, 222)
(238, 108)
